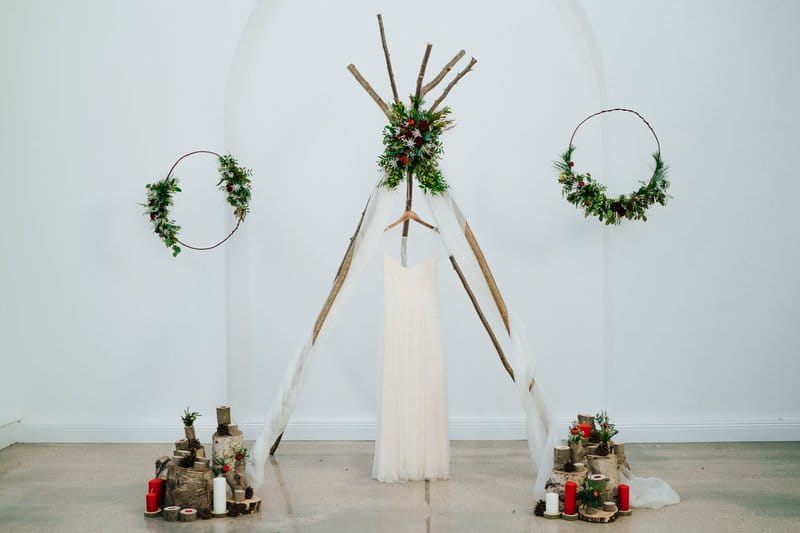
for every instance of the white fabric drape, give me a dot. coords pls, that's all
(645, 492)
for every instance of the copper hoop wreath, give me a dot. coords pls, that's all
(238, 220)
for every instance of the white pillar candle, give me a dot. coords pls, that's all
(551, 503)
(220, 495)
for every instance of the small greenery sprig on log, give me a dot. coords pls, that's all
(189, 417)
(606, 431)
(234, 181)
(585, 192)
(412, 144)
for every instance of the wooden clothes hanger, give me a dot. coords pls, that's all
(410, 215)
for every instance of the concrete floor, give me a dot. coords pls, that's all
(325, 487)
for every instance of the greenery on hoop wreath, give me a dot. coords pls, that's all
(583, 191)
(234, 181)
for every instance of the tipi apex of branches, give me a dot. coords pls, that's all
(421, 90)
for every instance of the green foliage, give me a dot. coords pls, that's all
(605, 429)
(234, 181)
(189, 417)
(159, 200)
(241, 456)
(583, 191)
(412, 145)
(591, 493)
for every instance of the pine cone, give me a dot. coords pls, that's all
(204, 513)
(233, 510)
(602, 449)
(538, 510)
(569, 467)
(194, 444)
(249, 492)
(223, 430)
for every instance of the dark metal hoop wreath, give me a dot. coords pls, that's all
(238, 220)
(575, 131)
(585, 192)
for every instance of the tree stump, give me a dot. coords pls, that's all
(247, 506)
(619, 451)
(187, 487)
(559, 478)
(223, 415)
(190, 434)
(578, 452)
(607, 466)
(561, 456)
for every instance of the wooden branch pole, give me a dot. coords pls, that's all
(487, 274)
(367, 87)
(484, 321)
(452, 84)
(422, 68)
(445, 71)
(388, 61)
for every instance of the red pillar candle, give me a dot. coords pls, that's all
(151, 501)
(570, 492)
(157, 486)
(586, 429)
(624, 497)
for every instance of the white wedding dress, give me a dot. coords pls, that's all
(412, 441)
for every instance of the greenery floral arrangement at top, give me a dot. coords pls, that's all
(591, 492)
(606, 431)
(234, 181)
(585, 192)
(412, 144)
(189, 417)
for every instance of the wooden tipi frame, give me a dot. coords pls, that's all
(344, 267)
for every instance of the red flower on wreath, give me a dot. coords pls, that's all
(581, 183)
(411, 122)
(574, 431)
(403, 159)
(226, 468)
(424, 126)
(572, 163)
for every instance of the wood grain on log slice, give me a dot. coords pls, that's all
(598, 516)
(187, 487)
(238, 495)
(171, 513)
(200, 452)
(182, 444)
(250, 505)
(190, 433)
(561, 456)
(188, 515)
(559, 478)
(223, 415)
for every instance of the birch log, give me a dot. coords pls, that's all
(561, 456)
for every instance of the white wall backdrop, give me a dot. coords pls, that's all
(684, 327)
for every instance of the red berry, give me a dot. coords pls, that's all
(411, 122)
(403, 159)
(229, 187)
(226, 468)
(581, 184)
(152, 216)
(572, 163)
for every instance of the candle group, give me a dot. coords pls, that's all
(570, 494)
(624, 497)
